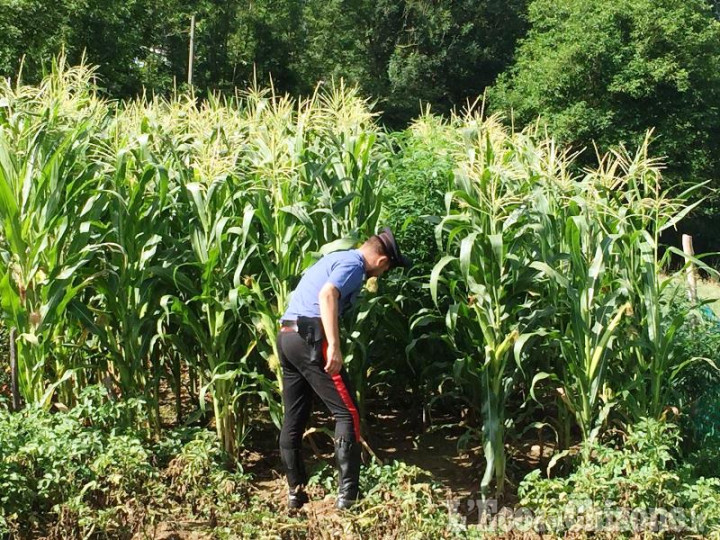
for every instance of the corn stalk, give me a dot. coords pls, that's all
(590, 312)
(315, 184)
(640, 210)
(488, 275)
(49, 210)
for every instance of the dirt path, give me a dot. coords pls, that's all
(391, 434)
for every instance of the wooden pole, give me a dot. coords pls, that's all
(687, 245)
(14, 387)
(191, 51)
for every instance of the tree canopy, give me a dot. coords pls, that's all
(606, 71)
(401, 53)
(597, 72)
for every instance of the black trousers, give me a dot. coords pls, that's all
(303, 375)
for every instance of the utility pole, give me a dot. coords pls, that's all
(191, 51)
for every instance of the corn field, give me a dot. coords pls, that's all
(146, 241)
(153, 245)
(555, 280)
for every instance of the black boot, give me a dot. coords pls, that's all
(347, 454)
(296, 477)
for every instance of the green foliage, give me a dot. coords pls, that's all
(157, 241)
(442, 54)
(699, 386)
(94, 409)
(198, 479)
(79, 459)
(88, 472)
(114, 35)
(145, 44)
(403, 53)
(418, 174)
(403, 501)
(90, 469)
(396, 499)
(488, 240)
(337, 40)
(48, 210)
(604, 267)
(608, 71)
(643, 473)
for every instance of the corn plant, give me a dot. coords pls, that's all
(209, 305)
(639, 212)
(590, 309)
(587, 292)
(600, 253)
(49, 209)
(282, 203)
(126, 303)
(488, 273)
(316, 178)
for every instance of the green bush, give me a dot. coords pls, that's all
(50, 460)
(418, 175)
(699, 390)
(419, 171)
(644, 473)
(89, 470)
(600, 73)
(398, 500)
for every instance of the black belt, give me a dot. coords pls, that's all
(288, 326)
(309, 328)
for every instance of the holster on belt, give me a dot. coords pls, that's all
(311, 330)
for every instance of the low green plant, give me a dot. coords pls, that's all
(63, 467)
(88, 471)
(641, 474)
(698, 389)
(94, 408)
(398, 500)
(198, 477)
(419, 173)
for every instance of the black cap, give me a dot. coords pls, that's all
(392, 250)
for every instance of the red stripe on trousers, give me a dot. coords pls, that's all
(345, 396)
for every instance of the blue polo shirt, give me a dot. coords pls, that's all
(344, 269)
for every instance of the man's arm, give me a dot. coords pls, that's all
(329, 297)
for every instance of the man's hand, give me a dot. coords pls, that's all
(333, 360)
